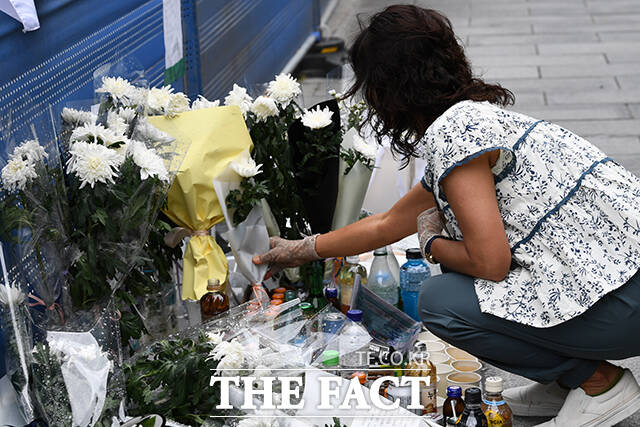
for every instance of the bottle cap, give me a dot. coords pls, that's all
(353, 259)
(331, 292)
(305, 307)
(454, 391)
(473, 396)
(420, 346)
(280, 291)
(278, 296)
(413, 253)
(493, 385)
(362, 377)
(355, 315)
(276, 302)
(290, 295)
(213, 285)
(380, 251)
(330, 358)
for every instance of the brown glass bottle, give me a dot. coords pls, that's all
(214, 302)
(494, 407)
(453, 406)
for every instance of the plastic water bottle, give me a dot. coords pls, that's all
(412, 274)
(381, 281)
(354, 345)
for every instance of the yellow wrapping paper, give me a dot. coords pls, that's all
(216, 136)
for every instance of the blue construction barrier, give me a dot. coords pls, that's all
(226, 41)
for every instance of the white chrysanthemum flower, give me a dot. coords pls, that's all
(119, 88)
(245, 166)
(233, 356)
(78, 117)
(93, 163)
(96, 133)
(11, 293)
(30, 150)
(158, 99)
(264, 107)
(17, 173)
(317, 118)
(179, 103)
(148, 161)
(127, 114)
(147, 132)
(239, 97)
(137, 96)
(284, 89)
(368, 151)
(215, 337)
(116, 123)
(203, 102)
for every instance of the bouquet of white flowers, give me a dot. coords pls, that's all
(76, 211)
(357, 160)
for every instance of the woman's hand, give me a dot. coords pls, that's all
(288, 253)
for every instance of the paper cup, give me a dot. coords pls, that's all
(434, 347)
(466, 365)
(457, 354)
(438, 358)
(464, 379)
(442, 370)
(427, 336)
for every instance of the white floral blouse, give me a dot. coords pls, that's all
(571, 214)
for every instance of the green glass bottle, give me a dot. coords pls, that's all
(316, 292)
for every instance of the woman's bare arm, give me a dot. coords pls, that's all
(484, 251)
(377, 230)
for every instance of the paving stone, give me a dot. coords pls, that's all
(621, 57)
(583, 28)
(487, 30)
(603, 47)
(563, 84)
(617, 146)
(562, 20)
(624, 69)
(528, 98)
(481, 40)
(619, 36)
(575, 60)
(554, 113)
(594, 97)
(635, 110)
(617, 19)
(497, 73)
(519, 49)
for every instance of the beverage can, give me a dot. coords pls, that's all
(331, 324)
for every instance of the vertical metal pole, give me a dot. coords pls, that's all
(193, 75)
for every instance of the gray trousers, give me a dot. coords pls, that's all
(567, 353)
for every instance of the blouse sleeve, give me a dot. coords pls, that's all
(465, 132)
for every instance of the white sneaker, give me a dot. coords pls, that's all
(536, 400)
(582, 410)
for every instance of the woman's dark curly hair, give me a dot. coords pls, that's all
(410, 69)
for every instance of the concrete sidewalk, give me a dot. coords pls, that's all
(573, 62)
